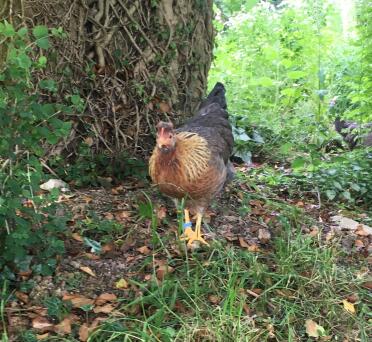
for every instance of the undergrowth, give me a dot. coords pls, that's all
(209, 298)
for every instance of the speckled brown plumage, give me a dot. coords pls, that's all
(197, 166)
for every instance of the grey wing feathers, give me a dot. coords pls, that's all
(211, 122)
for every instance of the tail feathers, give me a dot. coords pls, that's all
(217, 95)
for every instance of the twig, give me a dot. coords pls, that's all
(48, 168)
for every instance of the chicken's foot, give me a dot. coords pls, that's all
(188, 233)
(191, 235)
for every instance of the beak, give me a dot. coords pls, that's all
(163, 148)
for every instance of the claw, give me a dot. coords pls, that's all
(189, 235)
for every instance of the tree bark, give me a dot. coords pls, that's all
(134, 62)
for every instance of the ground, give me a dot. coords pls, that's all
(278, 269)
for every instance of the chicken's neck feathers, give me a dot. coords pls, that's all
(193, 153)
(191, 156)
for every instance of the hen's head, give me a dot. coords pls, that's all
(165, 137)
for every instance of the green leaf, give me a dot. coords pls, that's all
(355, 187)
(22, 32)
(331, 194)
(50, 85)
(75, 99)
(43, 43)
(24, 61)
(265, 81)
(288, 91)
(298, 163)
(346, 195)
(40, 31)
(286, 148)
(42, 61)
(295, 75)
(337, 185)
(8, 30)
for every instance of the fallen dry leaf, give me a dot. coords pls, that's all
(164, 107)
(42, 324)
(246, 309)
(163, 270)
(92, 256)
(108, 247)
(243, 243)
(121, 284)
(147, 277)
(349, 224)
(104, 309)
(104, 298)
(84, 332)
(23, 297)
(313, 329)
(161, 213)
(367, 285)
(64, 327)
(42, 336)
(109, 216)
(77, 237)
(89, 141)
(349, 307)
(144, 250)
(77, 301)
(214, 299)
(264, 235)
(97, 321)
(358, 243)
(362, 230)
(123, 215)
(87, 270)
(253, 247)
(314, 231)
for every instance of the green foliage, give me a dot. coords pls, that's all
(57, 308)
(361, 92)
(30, 231)
(290, 68)
(93, 228)
(346, 179)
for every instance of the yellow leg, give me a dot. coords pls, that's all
(198, 236)
(188, 233)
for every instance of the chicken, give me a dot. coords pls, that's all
(346, 128)
(192, 162)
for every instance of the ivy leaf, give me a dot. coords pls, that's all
(331, 194)
(346, 195)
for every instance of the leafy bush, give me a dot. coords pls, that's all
(30, 235)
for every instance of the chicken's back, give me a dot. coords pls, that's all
(211, 122)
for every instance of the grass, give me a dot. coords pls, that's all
(229, 294)
(226, 293)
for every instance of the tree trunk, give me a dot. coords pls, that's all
(134, 62)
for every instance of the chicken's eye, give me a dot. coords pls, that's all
(170, 136)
